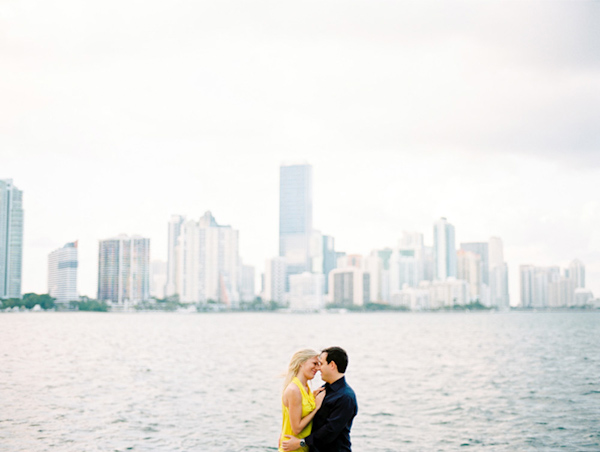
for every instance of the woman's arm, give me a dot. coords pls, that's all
(294, 398)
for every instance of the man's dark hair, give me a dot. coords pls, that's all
(339, 356)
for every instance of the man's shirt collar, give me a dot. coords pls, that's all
(336, 385)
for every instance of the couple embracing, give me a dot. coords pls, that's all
(318, 421)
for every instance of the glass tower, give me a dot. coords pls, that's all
(11, 239)
(295, 216)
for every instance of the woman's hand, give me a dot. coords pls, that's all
(319, 399)
(319, 389)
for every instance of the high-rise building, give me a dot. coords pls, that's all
(247, 291)
(535, 285)
(405, 269)
(481, 249)
(349, 260)
(295, 217)
(62, 274)
(444, 250)
(329, 258)
(561, 293)
(306, 292)
(175, 225)
(11, 239)
(469, 269)
(316, 252)
(373, 266)
(385, 256)
(274, 280)
(498, 275)
(583, 297)
(349, 286)
(208, 262)
(124, 270)
(577, 273)
(158, 279)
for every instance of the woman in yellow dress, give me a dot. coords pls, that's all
(298, 402)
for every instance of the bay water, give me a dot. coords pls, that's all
(514, 381)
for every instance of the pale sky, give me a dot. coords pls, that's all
(115, 115)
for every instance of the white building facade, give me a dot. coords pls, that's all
(306, 292)
(62, 274)
(349, 286)
(275, 280)
(208, 266)
(11, 239)
(124, 270)
(444, 250)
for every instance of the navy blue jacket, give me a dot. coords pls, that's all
(332, 423)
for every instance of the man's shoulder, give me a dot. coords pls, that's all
(348, 394)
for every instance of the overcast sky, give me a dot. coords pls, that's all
(114, 115)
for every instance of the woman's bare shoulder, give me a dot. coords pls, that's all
(291, 392)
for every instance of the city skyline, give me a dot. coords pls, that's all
(406, 117)
(206, 255)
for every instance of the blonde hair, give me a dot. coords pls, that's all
(299, 358)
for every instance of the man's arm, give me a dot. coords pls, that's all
(343, 411)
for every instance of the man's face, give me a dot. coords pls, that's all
(326, 368)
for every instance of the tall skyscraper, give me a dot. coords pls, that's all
(373, 265)
(535, 285)
(174, 232)
(274, 282)
(124, 270)
(306, 292)
(407, 262)
(469, 269)
(247, 290)
(295, 217)
(577, 273)
(62, 273)
(444, 250)
(481, 249)
(329, 258)
(349, 286)
(208, 264)
(158, 278)
(11, 239)
(498, 275)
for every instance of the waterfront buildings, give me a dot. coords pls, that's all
(62, 274)
(295, 217)
(158, 279)
(546, 287)
(349, 286)
(433, 295)
(11, 239)
(329, 258)
(482, 250)
(175, 225)
(444, 250)
(306, 292)
(124, 270)
(247, 291)
(576, 272)
(583, 297)
(561, 293)
(535, 283)
(469, 268)
(207, 266)
(373, 266)
(275, 280)
(349, 260)
(498, 275)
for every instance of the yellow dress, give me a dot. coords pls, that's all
(308, 405)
